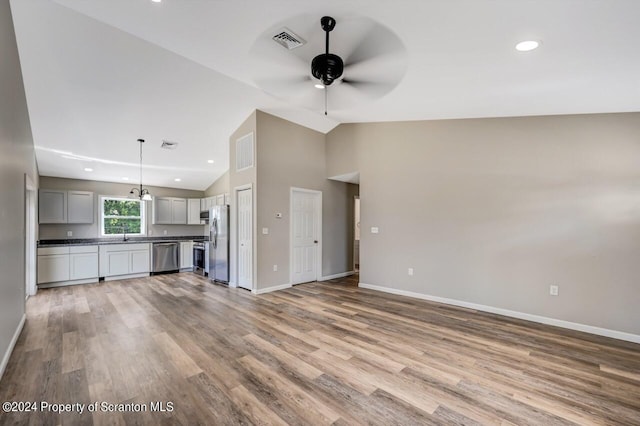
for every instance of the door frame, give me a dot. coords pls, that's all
(356, 200)
(318, 195)
(233, 243)
(30, 224)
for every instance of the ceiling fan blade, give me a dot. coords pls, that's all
(377, 41)
(287, 87)
(388, 67)
(370, 88)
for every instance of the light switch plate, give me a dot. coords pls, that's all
(265, 231)
(374, 230)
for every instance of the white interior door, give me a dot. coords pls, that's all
(245, 239)
(304, 236)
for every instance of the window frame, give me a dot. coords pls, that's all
(142, 217)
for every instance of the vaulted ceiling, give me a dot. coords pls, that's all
(100, 74)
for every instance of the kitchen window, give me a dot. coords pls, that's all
(121, 215)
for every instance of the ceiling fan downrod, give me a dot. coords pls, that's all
(327, 67)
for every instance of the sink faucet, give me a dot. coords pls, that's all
(124, 234)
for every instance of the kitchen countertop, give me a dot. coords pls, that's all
(131, 240)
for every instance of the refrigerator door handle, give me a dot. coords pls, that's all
(215, 232)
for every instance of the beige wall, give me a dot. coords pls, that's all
(16, 160)
(237, 179)
(220, 186)
(48, 232)
(493, 211)
(288, 156)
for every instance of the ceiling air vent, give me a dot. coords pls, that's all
(288, 39)
(169, 145)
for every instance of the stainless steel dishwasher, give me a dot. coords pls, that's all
(165, 257)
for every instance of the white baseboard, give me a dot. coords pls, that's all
(621, 335)
(335, 276)
(270, 289)
(12, 344)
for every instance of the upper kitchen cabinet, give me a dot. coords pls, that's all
(179, 211)
(79, 207)
(193, 211)
(170, 211)
(59, 206)
(52, 206)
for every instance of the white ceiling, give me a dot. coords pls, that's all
(100, 74)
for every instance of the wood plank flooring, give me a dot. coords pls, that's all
(317, 354)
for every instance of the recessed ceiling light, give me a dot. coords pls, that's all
(156, 1)
(319, 86)
(125, 178)
(177, 179)
(527, 45)
(210, 161)
(88, 169)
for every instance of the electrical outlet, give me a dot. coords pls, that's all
(275, 268)
(69, 233)
(164, 232)
(265, 231)
(410, 272)
(553, 290)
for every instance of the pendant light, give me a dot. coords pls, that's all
(143, 193)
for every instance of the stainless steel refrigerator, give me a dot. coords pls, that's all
(219, 244)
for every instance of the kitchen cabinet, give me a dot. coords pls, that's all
(193, 211)
(186, 254)
(67, 265)
(83, 262)
(60, 206)
(169, 211)
(124, 259)
(80, 207)
(139, 261)
(162, 211)
(179, 211)
(209, 202)
(53, 265)
(52, 206)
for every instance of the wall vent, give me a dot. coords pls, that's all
(288, 39)
(169, 145)
(244, 152)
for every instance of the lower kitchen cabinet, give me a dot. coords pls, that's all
(53, 265)
(140, 261)
(119, 260)
(58, 266)
(83, 262)
(186, 255)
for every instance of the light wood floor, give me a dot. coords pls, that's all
(320, 353)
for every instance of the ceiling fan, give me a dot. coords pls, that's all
(374, 62)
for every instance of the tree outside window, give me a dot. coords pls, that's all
(122, 216)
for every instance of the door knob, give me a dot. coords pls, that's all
(315, 241)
